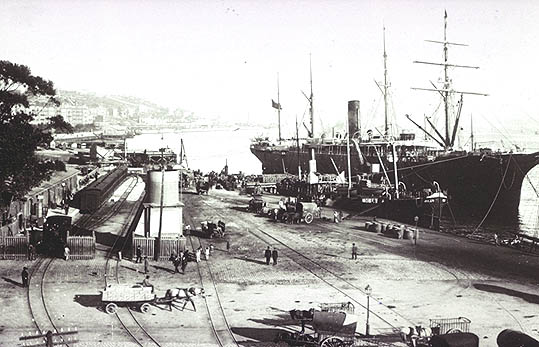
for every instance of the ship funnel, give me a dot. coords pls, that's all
(354, 128)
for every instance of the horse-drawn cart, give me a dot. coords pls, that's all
(441, 326)
(211, 229)
(136, 295)
(296, 213)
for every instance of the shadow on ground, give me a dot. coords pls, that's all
(9, 280)
(249, 260)
(89, 300)
(258, 334)
(531, 298)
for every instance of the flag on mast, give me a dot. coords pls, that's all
(276, 105)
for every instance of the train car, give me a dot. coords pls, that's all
(90, 198)
(55, 232)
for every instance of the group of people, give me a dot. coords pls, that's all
(269, 254)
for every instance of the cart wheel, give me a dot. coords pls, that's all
(111, 308)
(309, 218)
(145, 307)
(453, 331)
(332, 342)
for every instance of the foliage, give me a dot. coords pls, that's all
(60, 125)
(20, 170)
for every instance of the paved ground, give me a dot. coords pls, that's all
(443, 276)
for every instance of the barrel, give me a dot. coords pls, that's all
(514, 338)
(400, 231)
(376, 228)
(367, 225)
(383, 227)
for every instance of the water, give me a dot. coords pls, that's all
(209, 150)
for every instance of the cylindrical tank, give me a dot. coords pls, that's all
(353, 120)
(514, 338)
(171, 190)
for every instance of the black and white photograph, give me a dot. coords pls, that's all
(237, 173)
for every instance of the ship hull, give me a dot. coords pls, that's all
(476, 183)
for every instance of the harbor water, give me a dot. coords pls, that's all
(210, 149)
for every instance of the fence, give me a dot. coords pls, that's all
(168, 246)
(14, 247)
(81, 247)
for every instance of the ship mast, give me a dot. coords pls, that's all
(383, 88)
(311, 110)
(386, 128)
(447, 141)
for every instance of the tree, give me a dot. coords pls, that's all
(60, 125)
(20, 170)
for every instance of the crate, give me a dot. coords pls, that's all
(123, 293)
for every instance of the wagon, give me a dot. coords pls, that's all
(296, 213)
(331, 329)
(136, 295)
(211, 230)
(256, 204)
(442, 326)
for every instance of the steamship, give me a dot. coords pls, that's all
(479, 182)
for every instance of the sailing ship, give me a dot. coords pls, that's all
(479, 182)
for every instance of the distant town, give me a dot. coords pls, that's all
(118, 115)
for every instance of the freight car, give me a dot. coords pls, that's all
(90, 198)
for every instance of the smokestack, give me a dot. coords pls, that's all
(353, 118)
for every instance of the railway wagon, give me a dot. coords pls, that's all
(92, 196)
(55, 232)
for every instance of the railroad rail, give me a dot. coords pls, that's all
(320, 271)
(124, 314)
(36, 298)
(219, 324)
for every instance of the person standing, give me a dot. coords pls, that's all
(496, 240)
(198, 254)
(207, 253)
(139, 254)
(24, 275)
(267, 254)
(146, 267)
(66, 253)
(184, 263)
(354, 251)
(30, 251)
(274, 255)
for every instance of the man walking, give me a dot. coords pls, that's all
(24, 275)
(66, 253)
(139, 254)
(274, 255)
(354, 251)
(267, 254)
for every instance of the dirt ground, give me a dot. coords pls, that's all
(443, 276)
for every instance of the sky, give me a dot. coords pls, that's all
(222, 58)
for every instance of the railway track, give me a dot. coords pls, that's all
(125, 315)
(36, 298)
(219, 324)
(388, 317)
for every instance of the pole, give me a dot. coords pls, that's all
(311, 110)
(367, 326)
(157, 252)
(348, 158)
(395, 170)
(386, 127)
(446, 85)
(278, 107)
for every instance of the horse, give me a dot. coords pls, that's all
(410, 335)
(183, 294)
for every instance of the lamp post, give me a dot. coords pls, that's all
(368, 291)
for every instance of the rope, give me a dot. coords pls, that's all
(512, 181)
(496, 196)
(528, 178)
